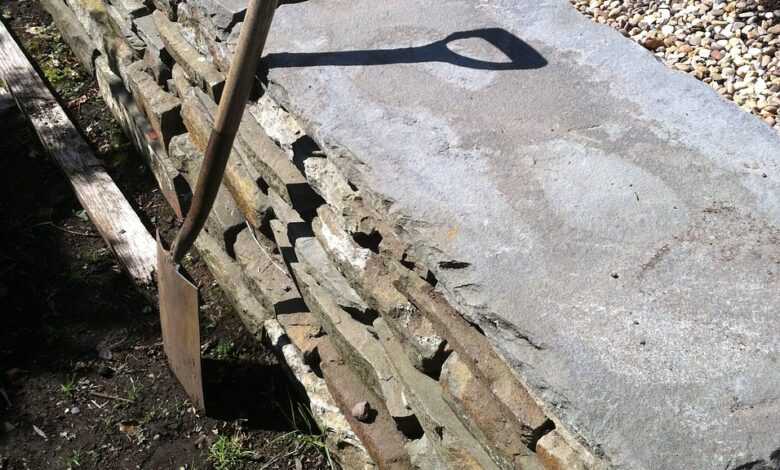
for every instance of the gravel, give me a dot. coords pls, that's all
(734, 46)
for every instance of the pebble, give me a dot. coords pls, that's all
(362, 411)
(732, 45)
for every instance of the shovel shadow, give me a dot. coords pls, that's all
(519, 54)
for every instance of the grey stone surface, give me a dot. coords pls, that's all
(614, 223)
(223, 13)
(209, 78)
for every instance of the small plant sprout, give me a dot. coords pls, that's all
(68, 387)
(227, 452)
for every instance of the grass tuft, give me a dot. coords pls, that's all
(227, 452)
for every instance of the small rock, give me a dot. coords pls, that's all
(39, 432)
(106, 372)
(362, 411)
(653, 43)
(104, 354)
(128, 427)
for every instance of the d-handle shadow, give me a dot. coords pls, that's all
(519, 54)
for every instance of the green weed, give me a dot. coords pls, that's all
(227, 452)
(68, 388)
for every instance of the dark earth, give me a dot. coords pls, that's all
(83, 378)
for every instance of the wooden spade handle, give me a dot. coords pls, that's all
(251, 42)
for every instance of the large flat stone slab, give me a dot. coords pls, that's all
(612, 225)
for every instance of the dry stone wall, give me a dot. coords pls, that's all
(396, 375)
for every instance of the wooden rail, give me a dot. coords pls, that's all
(102, 200)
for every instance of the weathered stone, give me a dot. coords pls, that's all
(423, 456)
(168, 7)
(383, 441)
(357, 346)
(157, 67)
(228, 274)
(310, 253)
(473, 348)
(72, 32)
(146, 29)
(362, 411)
(224, 14)
(122, 23)
(451, 440)
(349, 450)
(329, 183)
(199, 32)
(197, 67)
(487, 418)
(134, 8)
(225, 214)
(556, 454)
(238, 176)
(572, 200)
(277, 123)
(373, 282)
(156, 58)
(161, 108)
(136, 126)
(105, 37)
(180, 80)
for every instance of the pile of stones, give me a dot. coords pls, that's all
(397, 376)
(734, 45)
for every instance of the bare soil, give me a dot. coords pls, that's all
(83, 378)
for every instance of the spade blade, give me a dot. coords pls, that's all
(180, 325)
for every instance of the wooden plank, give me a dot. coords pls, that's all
(108, 209)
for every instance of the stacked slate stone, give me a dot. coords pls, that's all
(394, 374)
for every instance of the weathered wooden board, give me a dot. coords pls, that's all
(108, 209)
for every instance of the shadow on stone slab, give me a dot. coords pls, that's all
(519, 55)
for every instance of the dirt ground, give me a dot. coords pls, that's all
(83, 378)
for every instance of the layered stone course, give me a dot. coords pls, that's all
(308, 260)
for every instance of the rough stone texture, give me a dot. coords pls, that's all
(161, 108)
(122, 23)
(230, 278)
(556, 454)
(211, 80)
(180, 82)
(610, 224)
(134, 8)
(224, 14)
(167, 6)
(138, 129)
(239, 177)
(358, 347)
(310, 253)
(156, 59)
(451, 440)
(211, 41)
(474, 351)
(366, 274)
(383, 441)
(225, 213)
(483, 415)
(351, 452)
(105, 37)
(146, 29)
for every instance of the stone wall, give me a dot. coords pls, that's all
(307, 261)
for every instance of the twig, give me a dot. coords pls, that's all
(110, 397)
(5, 396)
